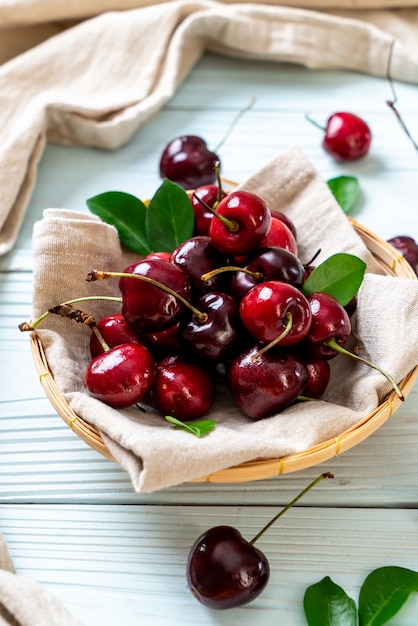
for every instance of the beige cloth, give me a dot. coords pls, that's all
(23, 602)
(91, 77)
(68, 245)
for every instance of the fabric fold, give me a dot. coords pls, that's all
(98, 81)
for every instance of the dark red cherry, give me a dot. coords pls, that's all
(347, 137)
(271, 263)
(318, 378)
(329, 321)
(263, 384)
(182, 389)
(121, 376)
(115, 331)
(150, 308)
(215, 339)
(269, 308)
(197, 256)
(209, 194)
(187, 161)
(249, 221)
(408, 248)
(165, 342)
(224, 570)
(280, 235)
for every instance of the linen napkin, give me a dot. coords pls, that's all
(96, 82)
(67, 245)
(23, 602)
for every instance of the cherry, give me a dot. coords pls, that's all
(408, 248)
(165, 342)
(182, 389)
(197, 256)
(187, 161)
(318, 378)
(276, 309)
(148, 307)
(268, 263)
(265, 383)
(225, 570)
(120, 376)
(164, 256)
(347, 137)
(244, 220)
(280, 235)
(286, 219)
(115, 331)
(209, 196)
(217, 337)
(329, 321)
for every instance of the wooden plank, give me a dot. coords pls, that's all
(126, 564)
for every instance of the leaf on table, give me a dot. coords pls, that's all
(346, 190)
(384, 592)
(327, 604)
(170, 217)
(127, 214)
(340, 276)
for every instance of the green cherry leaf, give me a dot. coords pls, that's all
(346, 190)
(127, 214)
(327, 604)
(384, 592)
(170, 217)
(340, 276)
(197, 428)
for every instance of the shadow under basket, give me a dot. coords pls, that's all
(392, 264)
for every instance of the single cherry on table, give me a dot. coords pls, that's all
(347, 137)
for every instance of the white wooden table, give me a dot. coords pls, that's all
(71, 518)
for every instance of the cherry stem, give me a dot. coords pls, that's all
(230, 224)
(289, 322)
(230, 268)
(331, 343)
(288, 506)
(25, 326)
(219, 183)
(99, 275)
(234, 123)
(66, 310)
(392, 103)
(315, 256)
(312, 121)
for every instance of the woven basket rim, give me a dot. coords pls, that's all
(258, 469)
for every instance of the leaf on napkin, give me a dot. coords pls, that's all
(197, 428)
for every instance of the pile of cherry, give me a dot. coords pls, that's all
(226, 304)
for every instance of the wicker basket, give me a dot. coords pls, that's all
(392, 264)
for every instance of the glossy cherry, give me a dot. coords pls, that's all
(115, 331)
(268, 263)
(347, 137)
(182, 389)
(209, 196)
(197, 256)
(280, 235)
(120, 376)
(271, 308)
(329, 321)
(319, 373)
(408, 248)
(286, 219)
(248, 222)
(187, 161)
(147, 307)
(216, 338)
(263, 384)
(224, 570)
